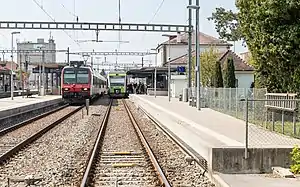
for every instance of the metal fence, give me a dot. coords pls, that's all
(228, 100)
(268, 115)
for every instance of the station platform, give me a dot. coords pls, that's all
(20, 104)
(220, 140)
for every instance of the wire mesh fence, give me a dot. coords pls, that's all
(228, 100)
(270, 116)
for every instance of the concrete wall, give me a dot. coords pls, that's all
(178, 82)
(245, 78)
(231, 160)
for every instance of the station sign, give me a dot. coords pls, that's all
(181, 69)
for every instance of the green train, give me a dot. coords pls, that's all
(117, 83)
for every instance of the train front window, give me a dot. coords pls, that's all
(69, 76)
(117, 81)
(82, 76)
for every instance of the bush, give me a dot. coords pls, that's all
(295, 167)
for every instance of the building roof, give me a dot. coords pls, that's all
(182, 39)
(239, 63)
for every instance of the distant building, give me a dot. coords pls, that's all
(245, 56)
(244, 72)
(178, 46)
(33, 59)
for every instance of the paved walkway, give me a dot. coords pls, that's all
(259, 181)
(207, 128)
(7, 103)
(218, 129)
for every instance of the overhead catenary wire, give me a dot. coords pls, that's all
(41, 7)
(154, 15)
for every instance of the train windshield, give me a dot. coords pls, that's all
(117, 81)
(69, 76)
(82, 76)
(73, 76)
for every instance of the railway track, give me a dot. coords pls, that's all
(16, 137)
(121, 155)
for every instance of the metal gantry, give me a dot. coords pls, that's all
(32, 51)
(92, 26)
(132, 53)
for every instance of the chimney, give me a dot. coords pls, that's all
(178, 37)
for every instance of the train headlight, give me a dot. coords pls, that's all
(66, 89)
(85, 89)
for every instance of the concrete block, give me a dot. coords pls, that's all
(261, 160)
(283, 172)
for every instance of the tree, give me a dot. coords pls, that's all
(272, 32)
(226, 24)
(217, 78)
(229, 73)
(207, 59)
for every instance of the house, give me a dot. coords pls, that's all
(178, 46)
(244, 72)
(245, 56)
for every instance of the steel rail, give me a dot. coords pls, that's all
(28, 121)
(95, 150)
(37, 135)
(186, 148)
(163, 179)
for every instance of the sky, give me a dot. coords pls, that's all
(132, 11)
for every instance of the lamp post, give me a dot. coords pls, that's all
(11, 66)
(198, 64)
(155, 72)
(41, 72)
(169, 66)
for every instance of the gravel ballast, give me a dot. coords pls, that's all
(58, 158)
(120, 136)
(171, 158)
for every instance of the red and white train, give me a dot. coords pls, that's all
(80, 82)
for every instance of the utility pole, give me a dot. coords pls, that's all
(198, 65)
(43, 74)
(169, 66)
(21, 74)
(190, 48)
(11, 66)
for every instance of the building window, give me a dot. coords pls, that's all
(236, 83)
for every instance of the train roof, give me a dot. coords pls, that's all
(117, 72)
(94, 72)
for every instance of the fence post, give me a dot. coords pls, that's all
(236, 102)
(230, 97)
(282, 121)
(224, 97)
(294, 123)
(273, 121)
(247, 130)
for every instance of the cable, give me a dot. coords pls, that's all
(156, 12)
(41, 7)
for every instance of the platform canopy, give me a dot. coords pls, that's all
(51, 67)
(149, 71)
